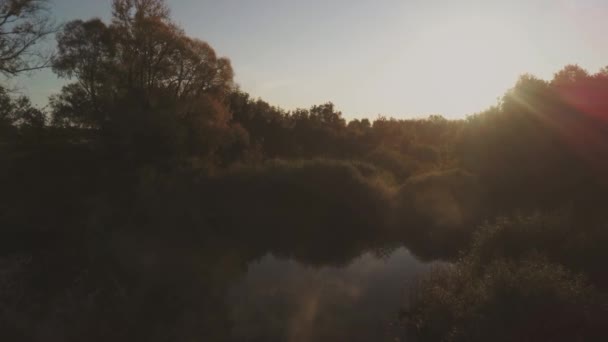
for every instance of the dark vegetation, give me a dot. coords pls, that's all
(151, 180)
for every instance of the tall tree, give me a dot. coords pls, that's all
(143, 78)
(23, 24)
(86, 52)
(142, 53)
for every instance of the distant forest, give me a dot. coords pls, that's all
(117, 197)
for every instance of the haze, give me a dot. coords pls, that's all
(257, 171)
(396, 58)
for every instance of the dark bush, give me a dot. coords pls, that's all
(531, 300)
(437, 210)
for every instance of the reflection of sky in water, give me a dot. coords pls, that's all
(283, 300)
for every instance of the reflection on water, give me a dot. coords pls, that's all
(284, 300)
(239, 278)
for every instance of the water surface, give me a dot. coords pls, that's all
(279, 299)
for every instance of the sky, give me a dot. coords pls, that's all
(403, 59)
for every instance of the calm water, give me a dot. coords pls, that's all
(279, 299)
(292, 285)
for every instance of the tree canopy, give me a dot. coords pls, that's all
(23, 24)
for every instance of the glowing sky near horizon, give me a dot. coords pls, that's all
(407, 58)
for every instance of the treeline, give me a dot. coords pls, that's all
(120, 199)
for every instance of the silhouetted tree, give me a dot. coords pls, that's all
(146, 85)
(23, 24)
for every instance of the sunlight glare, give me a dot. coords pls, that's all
(465, 64)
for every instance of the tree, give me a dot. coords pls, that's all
(145, 82)
(18, 112)
(23, 24)
(142, 54)
(570, 74)
(86, 52)
(602, 73)
(154, 53)
(74, 107)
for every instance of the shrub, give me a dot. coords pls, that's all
(562, 238)
(401, 166)
(531, 300)
(436, 211)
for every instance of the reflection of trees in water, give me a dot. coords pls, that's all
(157, 264)
(149, 289)
(285, 300)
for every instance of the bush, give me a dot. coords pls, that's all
(291, 206)
(402, 167)
(531, 300)
(436, 210)
(424, 153)
(301, 209)
(562, 238)
(520, 281)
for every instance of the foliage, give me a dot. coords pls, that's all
(513, 285)
(152, 90)
(23, 24)
(153, 180)
(531, 300)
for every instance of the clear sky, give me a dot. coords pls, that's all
(406, 58)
